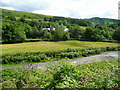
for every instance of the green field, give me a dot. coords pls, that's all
(48, 46)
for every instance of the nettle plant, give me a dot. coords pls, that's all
(63, 75)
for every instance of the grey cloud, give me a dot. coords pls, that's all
(72, 8)
(26, 6)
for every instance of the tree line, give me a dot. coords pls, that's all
(54, 29)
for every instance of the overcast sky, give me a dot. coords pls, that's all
(66, 8)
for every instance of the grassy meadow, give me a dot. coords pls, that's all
(49, 46)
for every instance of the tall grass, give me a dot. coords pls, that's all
(49, 46)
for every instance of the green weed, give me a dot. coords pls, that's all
(103, 75)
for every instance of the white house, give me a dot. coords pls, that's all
(48, 29)
(66, 29)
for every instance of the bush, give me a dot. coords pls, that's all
(13, 32)
(116, 34)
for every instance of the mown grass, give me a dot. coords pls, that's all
(102, 75)
(49, 46)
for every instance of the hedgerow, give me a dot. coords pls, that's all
(68, 53)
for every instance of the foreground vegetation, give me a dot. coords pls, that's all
(102, 75)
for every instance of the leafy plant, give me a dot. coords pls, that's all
(100, 75)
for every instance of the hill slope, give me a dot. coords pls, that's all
(38, 16)
(20, 14)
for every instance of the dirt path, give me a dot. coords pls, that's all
(95, 58)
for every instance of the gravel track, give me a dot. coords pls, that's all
(94, 58)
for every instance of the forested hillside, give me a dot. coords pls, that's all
(21, 26)
(103, 21)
